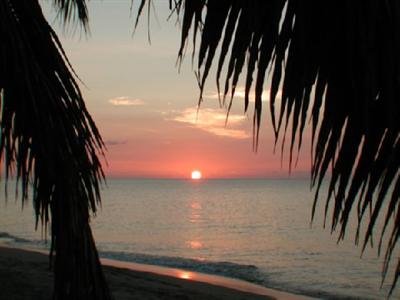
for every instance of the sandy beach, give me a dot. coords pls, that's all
(26, 275)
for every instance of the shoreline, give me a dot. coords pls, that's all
(26, 275)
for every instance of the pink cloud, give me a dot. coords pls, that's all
(125, 101)
(212, 121)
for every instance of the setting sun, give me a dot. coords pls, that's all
(196, 174)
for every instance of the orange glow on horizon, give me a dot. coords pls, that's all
(185, 275)
(167, 154)
(196, 175)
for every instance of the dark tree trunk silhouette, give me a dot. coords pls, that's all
(49, 140)
(77, 269)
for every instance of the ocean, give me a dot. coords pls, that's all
(254, 230)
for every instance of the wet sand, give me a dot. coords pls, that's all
(25, 275)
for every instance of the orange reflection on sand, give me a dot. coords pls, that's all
(185, 275)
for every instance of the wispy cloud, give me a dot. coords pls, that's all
(125, 101)
(114, 142)
(240, 93)
(212, 121)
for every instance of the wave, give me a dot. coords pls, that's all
(7, 238)
(248, 273)
(228, 269)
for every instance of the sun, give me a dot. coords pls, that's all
(196, 174)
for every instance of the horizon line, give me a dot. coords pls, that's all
(211, 178)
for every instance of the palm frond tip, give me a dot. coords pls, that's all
(73, 11)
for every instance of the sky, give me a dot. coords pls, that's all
(146, 107)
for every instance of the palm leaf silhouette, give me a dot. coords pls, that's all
(72, 12)
(49, 140)
(335, 60)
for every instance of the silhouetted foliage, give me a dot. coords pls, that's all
(338, 61)
(49, 140)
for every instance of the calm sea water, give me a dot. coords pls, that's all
(256, 230)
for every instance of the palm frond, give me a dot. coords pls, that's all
(72, 11)
(335, 60)
(50, 141)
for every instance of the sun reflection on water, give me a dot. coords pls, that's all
(195, 214)
(194, 244)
